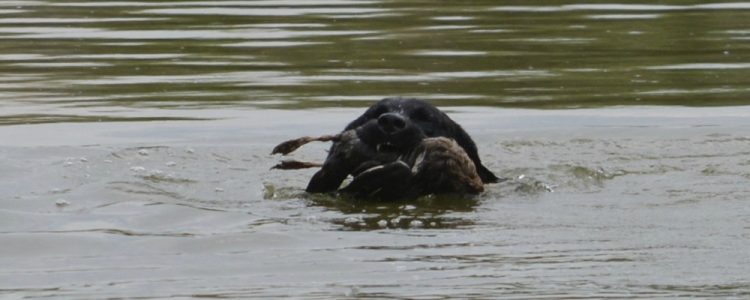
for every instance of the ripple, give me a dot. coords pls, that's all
(485, 74)
(62, 64)
(111, 56)
(249, 78)
(644, 7)
(213, 3)
(448, 27)
(624, 17)
(21, 3)
(74, 20)
(415, 77)
(374, 78)
(702, 66)
(447, 53)
(124, 56)
(554, 40)
(453, 18)
(17, 57)
(274, 44)
(211, 77)
(662, 92)
(117, 231)
(225, 63)
(366, 16)
(276, 12)
(368, 98)
(95, 33)
(732, 5)
(622, 7)
(288, 25)
(58, 118)
(11, 11)
(498, 30)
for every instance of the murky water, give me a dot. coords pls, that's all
(135, 139)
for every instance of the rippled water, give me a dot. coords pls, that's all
(134, 161)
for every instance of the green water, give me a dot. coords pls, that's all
(297, 54)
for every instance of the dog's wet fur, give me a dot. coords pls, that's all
(402, 148)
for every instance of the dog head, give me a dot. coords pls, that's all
(400, 124)
(391, 132)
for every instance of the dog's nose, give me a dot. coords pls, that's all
(391, 122)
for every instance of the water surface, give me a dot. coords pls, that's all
(134, 161)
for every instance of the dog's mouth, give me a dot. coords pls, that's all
(375, 135)
(386, 147)
(399, 142)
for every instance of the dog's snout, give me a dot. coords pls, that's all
(391, 122)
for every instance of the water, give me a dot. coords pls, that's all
(134, 161)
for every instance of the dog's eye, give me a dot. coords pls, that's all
(420, 115)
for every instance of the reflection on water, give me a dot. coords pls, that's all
(431, 212)
(294, 54)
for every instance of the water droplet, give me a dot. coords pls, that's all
(353, 292)
(416, 224)
(352, 220)
(62, 203)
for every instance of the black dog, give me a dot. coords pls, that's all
(402, 148)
